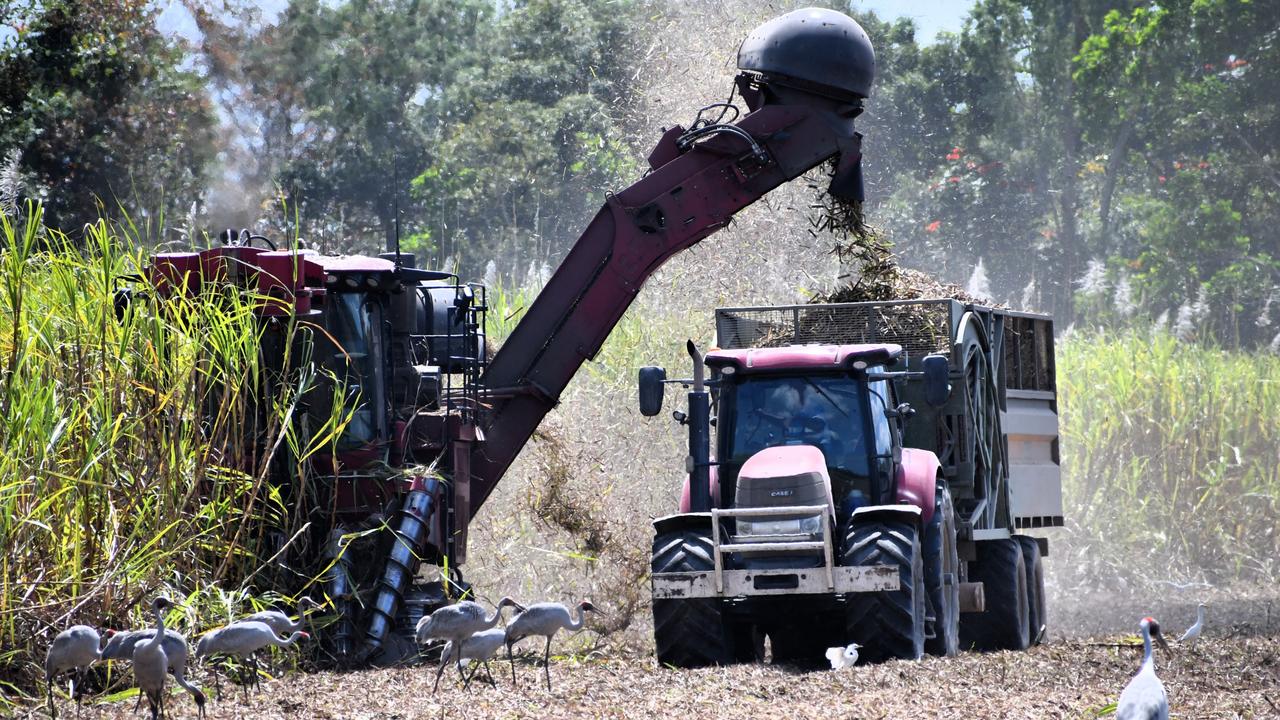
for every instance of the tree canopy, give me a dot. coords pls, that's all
(96, 107)
(1104, 160)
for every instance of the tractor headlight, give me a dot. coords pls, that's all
(811, 525)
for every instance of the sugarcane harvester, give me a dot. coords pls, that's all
(407, 346)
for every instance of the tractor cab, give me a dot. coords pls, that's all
(773, 399)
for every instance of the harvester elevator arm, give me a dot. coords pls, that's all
(694, 189)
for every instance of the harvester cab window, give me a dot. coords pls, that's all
(351, 323)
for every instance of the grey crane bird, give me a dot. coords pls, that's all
(73, 649)
(1194, 631)
(545, 619)
(150, 665)
(1144, 697)
(243, 640)
(121, 645)
(481, 648)
(456, 623)
(279, 621)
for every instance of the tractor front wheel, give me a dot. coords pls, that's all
(1005, 625)
(887, 624)
(690, 632)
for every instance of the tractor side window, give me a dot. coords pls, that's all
(879, 420)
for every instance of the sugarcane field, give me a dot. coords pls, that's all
(639, 358)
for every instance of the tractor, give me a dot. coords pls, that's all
(400, 350)
(873, 463)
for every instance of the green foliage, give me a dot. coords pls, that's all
(1168, 455)
(1189, 92)
(533, 142)
(96, 102)
(119, 438)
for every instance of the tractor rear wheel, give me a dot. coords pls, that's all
(888, 624)
(690, 632)
(942, 576)
(1036, 616)
(1005, 624)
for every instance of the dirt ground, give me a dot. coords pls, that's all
(1232, 672)
(1220, 677)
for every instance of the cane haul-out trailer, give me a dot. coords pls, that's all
(873, 466)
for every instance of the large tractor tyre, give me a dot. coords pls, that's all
(888, 624)
(692, 632)
(1005, 625)
(942, 577)
(1037, 619)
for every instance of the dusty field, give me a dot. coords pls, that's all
(1222, 677)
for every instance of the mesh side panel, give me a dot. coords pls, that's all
(920, 328)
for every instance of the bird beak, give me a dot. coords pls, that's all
(1163, 644)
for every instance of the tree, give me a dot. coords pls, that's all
(337, 103)
(1190, 90)
(532, 142)
(94, 99)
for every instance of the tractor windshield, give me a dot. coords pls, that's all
(826, 412)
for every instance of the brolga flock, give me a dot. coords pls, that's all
(159, 651)
(465, 625)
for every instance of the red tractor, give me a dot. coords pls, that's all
(863, 486)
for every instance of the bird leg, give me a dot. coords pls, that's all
(546, 662)
(471, 677)
(513, 665)
(439, 672)
(490, 674)
(461, 675)
(49, 691)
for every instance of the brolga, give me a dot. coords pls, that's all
(242, 640)
(843, 657)
(545, 619)
(73, 649)
(121, 646)
(480, 648)
(1194, 631)
(1144, 697)
(279, 621)
(150, 664)
(456, 623)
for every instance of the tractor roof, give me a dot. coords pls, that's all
(808, 357)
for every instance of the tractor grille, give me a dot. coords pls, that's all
(920, 327)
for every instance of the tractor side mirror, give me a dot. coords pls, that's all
(651, 381)
(937, 382)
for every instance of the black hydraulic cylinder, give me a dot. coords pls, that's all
(699, 451)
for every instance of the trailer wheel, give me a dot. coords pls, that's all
(692, 632)
(942, 577)
(887, 624)
(1005, 624)
(1036, 615)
